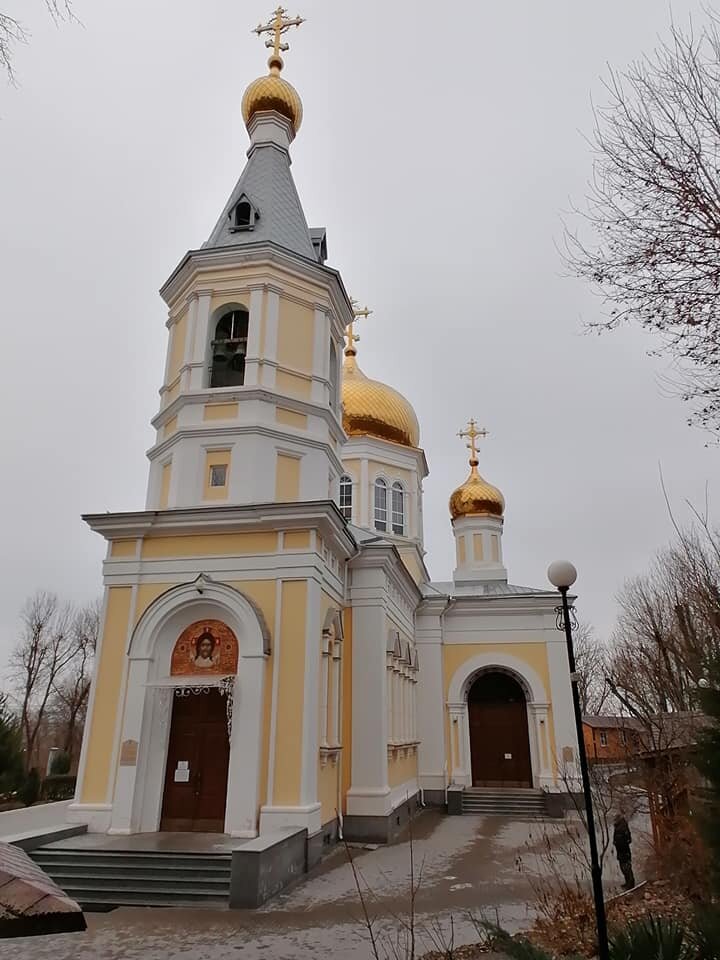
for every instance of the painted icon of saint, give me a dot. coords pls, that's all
(204, 650)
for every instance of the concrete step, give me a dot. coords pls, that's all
(511, 802)
(102, 879)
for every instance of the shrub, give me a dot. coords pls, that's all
(29, 792)
(60, 764)
(651, 939)
(58, 787)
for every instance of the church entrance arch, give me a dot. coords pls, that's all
(498, 726)
(198, 753)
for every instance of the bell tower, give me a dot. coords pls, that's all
(250, 406)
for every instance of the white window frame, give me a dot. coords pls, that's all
(398, 488)
(346, 482)
(380, 512)
(213, 468)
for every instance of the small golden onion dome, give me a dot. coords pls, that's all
(476, 497)
(373, 409)
(273, 93)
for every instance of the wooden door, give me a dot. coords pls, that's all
(499, 741)
(197, 764)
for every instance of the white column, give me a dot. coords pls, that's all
(252, 357)
(125, 784)
(200, 361)
(433, 761)
(540, 743)
(243, 796)
(460, 744)
(272, 319)
(390, 700)
(336, 704)
(321, 358)
(324, 699)
(363, 509)
(311, 746)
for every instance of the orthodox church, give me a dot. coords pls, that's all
(273, 653)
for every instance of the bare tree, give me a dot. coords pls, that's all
(13, 32)
(590, 661)
(46, 648)
(653, 208)
(68, 702)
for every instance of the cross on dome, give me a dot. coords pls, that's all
(472, 433)
(278, 25)
(351, 338)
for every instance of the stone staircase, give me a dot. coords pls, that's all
(491, 801)
(102, 879)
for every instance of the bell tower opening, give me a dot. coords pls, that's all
(229, 349)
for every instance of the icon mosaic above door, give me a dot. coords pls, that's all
(206, 647)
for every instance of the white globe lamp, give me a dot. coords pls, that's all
(562, 574)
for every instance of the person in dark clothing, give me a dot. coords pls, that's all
(622, 838)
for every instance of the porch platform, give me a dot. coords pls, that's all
(202, 843)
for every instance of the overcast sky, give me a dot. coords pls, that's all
(441, 144)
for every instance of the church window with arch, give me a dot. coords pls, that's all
(398, 508)
(229, 349)
(381, 504)
(333, 377)
(346, 496)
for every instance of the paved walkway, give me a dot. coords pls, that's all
(468, 864)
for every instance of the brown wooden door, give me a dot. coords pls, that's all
(499, 741)
(197, 764)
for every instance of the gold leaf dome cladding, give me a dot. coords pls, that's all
(476, 497)
(373, 409)
(273, 93)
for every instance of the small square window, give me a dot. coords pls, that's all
(218, 475)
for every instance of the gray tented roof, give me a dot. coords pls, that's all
(267, 183)
(487, 588)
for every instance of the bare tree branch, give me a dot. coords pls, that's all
(12, 32)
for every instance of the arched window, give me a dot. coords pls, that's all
(333, 376)
(346, 497)
(229, 348)
(398, 508)
(380, 504)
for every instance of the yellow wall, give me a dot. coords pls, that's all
(110, 671)
(220, 411)
(165, 485)
(177, 347)
(287, 479)
(295, 336)
(209, 545)
(401, 769)
(289, 714)
(346, 720)
(297, 540)
(292, 385)
(216, 458)
(392, 473)
(328, 791)
(477, 546)
(123, 548)
(170, 428)
(461, 551)
(290, 418)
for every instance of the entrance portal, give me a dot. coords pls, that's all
(499, 740)
(197, 763)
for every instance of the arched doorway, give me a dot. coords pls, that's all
(499, 739)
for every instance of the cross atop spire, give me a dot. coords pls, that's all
(351, 338)
(472, 433)
(277, 25)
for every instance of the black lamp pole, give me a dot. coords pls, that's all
(603, 947)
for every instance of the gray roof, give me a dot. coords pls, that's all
(268, 184)
(486, 588)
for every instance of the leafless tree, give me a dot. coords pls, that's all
(51, 638)
(590, 661)
(67, 706)
(653, 208)
(13, 32)
(668, 627)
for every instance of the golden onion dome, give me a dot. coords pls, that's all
(273, 93)
(476, 497)
(373, 409)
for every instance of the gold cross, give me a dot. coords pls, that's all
(278, 25)
(351, 338)
(472, 433)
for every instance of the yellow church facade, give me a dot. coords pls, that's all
(273, 652)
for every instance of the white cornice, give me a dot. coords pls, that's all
(396, 454)
(261, 255)
(320, 514)
(385, 556)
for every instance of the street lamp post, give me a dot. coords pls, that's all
(563, 575)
